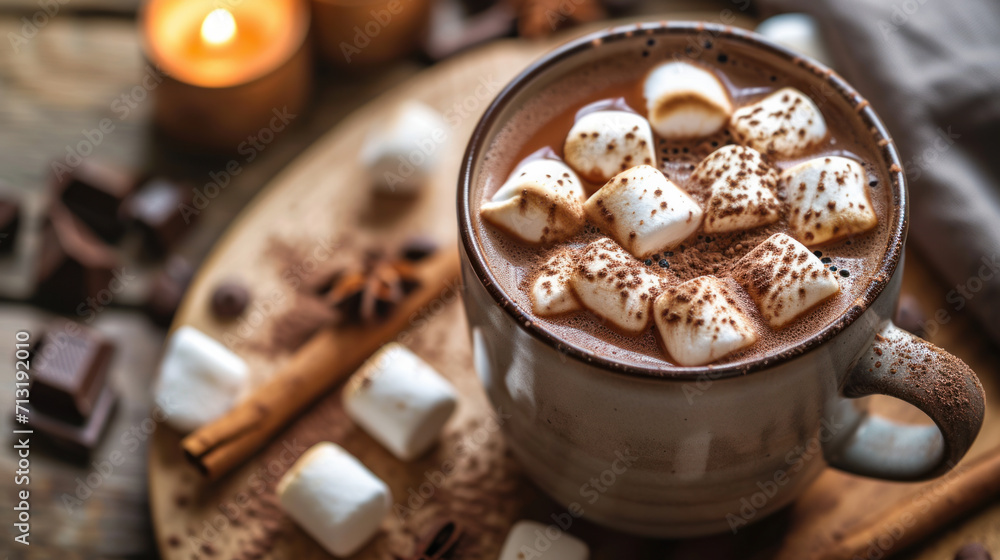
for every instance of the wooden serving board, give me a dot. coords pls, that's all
(319, 213)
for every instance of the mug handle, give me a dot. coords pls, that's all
(909, 368)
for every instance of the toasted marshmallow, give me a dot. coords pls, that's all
(828, 199)
(644, 211)
(604, 143)
(541, 203)
(609, 283)
(550, 293)
(526, 539)
(402, 152)
(400, 400)
(740, 189)
(701, 321)
(334, 498)
(685, 101)
(784, 123)
(784, 279)
(200, 379)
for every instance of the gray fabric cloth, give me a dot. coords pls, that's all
(931, 69)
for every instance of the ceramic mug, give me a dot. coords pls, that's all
(682, 451)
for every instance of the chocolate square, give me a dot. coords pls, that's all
(73, 264)
(68, 371)
(10, 222)
(167, 290)
(96, 192)
(156, 209)
(77, 439)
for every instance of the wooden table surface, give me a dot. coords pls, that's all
(63, 81)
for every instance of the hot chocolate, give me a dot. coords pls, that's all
(682, 207)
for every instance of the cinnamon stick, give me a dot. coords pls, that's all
(968, 487)
(327, 358)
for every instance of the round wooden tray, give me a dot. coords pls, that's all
(323, 201)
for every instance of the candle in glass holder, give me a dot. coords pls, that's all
(232, 67)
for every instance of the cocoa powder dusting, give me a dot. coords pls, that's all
(478, 482)
(934, 380)
(292, 329)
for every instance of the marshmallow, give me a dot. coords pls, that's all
(400, 401)
(331, 495)
(740, 190)
(799, 32)
(828, 200)
(405, 149)
(685, 101)
(550, 293)
(200, 379)
(783, 123)
(526, 538)
(700, 321)
(541, 203)
(784, 279)
(615, 287)
(603, 143)
(644, 211)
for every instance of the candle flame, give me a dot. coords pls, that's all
(219, 27)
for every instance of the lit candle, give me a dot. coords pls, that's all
(219, 27)
(230, 64)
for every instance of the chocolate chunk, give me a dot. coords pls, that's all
(229, 300)
(96, 192)
(973, 551)
(167, 290)
(78, 440)
(909, 316)
(10, 221)
(418, 248)
(68, 370)
(156, 210)
(73, 264)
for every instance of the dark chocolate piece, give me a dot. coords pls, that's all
(78, 440)
(973, 551)
(167, 290)
(229, 300)
(73, 264)
(96, 192)
(10, 222)
(68, 370)
(156, 209)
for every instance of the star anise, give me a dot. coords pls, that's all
(369, 291)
